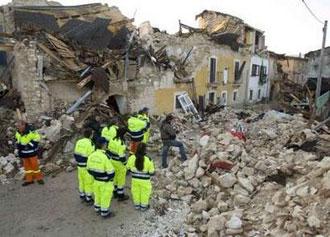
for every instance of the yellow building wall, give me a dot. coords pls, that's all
(164, 97)
(202, 77)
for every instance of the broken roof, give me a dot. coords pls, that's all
(276, 55)
(202, 14)
(93, 26)
(236, 20)
(316, 53)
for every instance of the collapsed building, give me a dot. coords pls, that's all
(93, 53)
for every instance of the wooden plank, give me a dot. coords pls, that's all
(53, 56)
(83, 82)
(6, 47)
(295, 98)
(321, 124)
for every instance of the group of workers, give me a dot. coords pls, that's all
(102, 160)
(103, 164)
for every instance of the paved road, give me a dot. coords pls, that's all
(55, 210)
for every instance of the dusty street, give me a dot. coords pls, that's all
(55, 210)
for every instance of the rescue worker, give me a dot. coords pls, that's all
(144, 115)
(83, 148)
(110, 131)
(168, 135)
(100, 167)
(117, 152)
(27, 142)
(141, 168)
(136, 129)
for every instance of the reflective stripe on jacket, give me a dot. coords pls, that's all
(27, 143)
(109, 133)
(83, 148)
(100, 166)
(117, 150)
(148, 168)
(145, 118)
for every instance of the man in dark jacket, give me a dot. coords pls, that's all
(168, 135)
(27, 142)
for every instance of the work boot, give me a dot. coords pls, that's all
(41, 182)
(110, 214)
(27, 183)
(89, 201)
(122, 197)
(145, 208)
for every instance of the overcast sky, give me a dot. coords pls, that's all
(288, 25)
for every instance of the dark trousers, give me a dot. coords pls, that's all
(166, 146)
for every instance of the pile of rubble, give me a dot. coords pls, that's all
(254, 188)
(58, 131)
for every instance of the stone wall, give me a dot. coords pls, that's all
(312, 67)
(26, 80)
(157, 89)
(39, 96)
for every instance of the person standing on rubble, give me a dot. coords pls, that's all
(142, 168)
(144, 115)
(109, 132)
(83, 148)
(168, 135)
(136, 129)
(100, 167)
(117, 152)
(27, 143)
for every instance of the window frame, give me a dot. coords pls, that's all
(234, 98)
(257, 71)
(251, 94)
(175, 95)
(259, 94)
(215, 69)
(227, 70)
(226, 93)
(239, 65)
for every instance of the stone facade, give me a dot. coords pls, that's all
(158, 89)
(26, 80)
(39, 95)
(295, 69)
(312, 67)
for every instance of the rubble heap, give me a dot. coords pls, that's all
(254, 188)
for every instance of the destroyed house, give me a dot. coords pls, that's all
(251, 42)
(59, 46)
(294, 69)
(312, 69)
(93, 54)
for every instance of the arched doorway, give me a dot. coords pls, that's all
(118, 103)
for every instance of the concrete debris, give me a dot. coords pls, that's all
(253, 187)
(190, 170)
(234, 223)
(245, 183)
(52, 133)
(199, 206)
(204, 140)
(227, 180)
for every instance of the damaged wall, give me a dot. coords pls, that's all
(26, 80)
(312, 66)
(159, 89)
(257, 89)
(39, 96)
(295, 69)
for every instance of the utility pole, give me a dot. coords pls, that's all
(319, 78)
